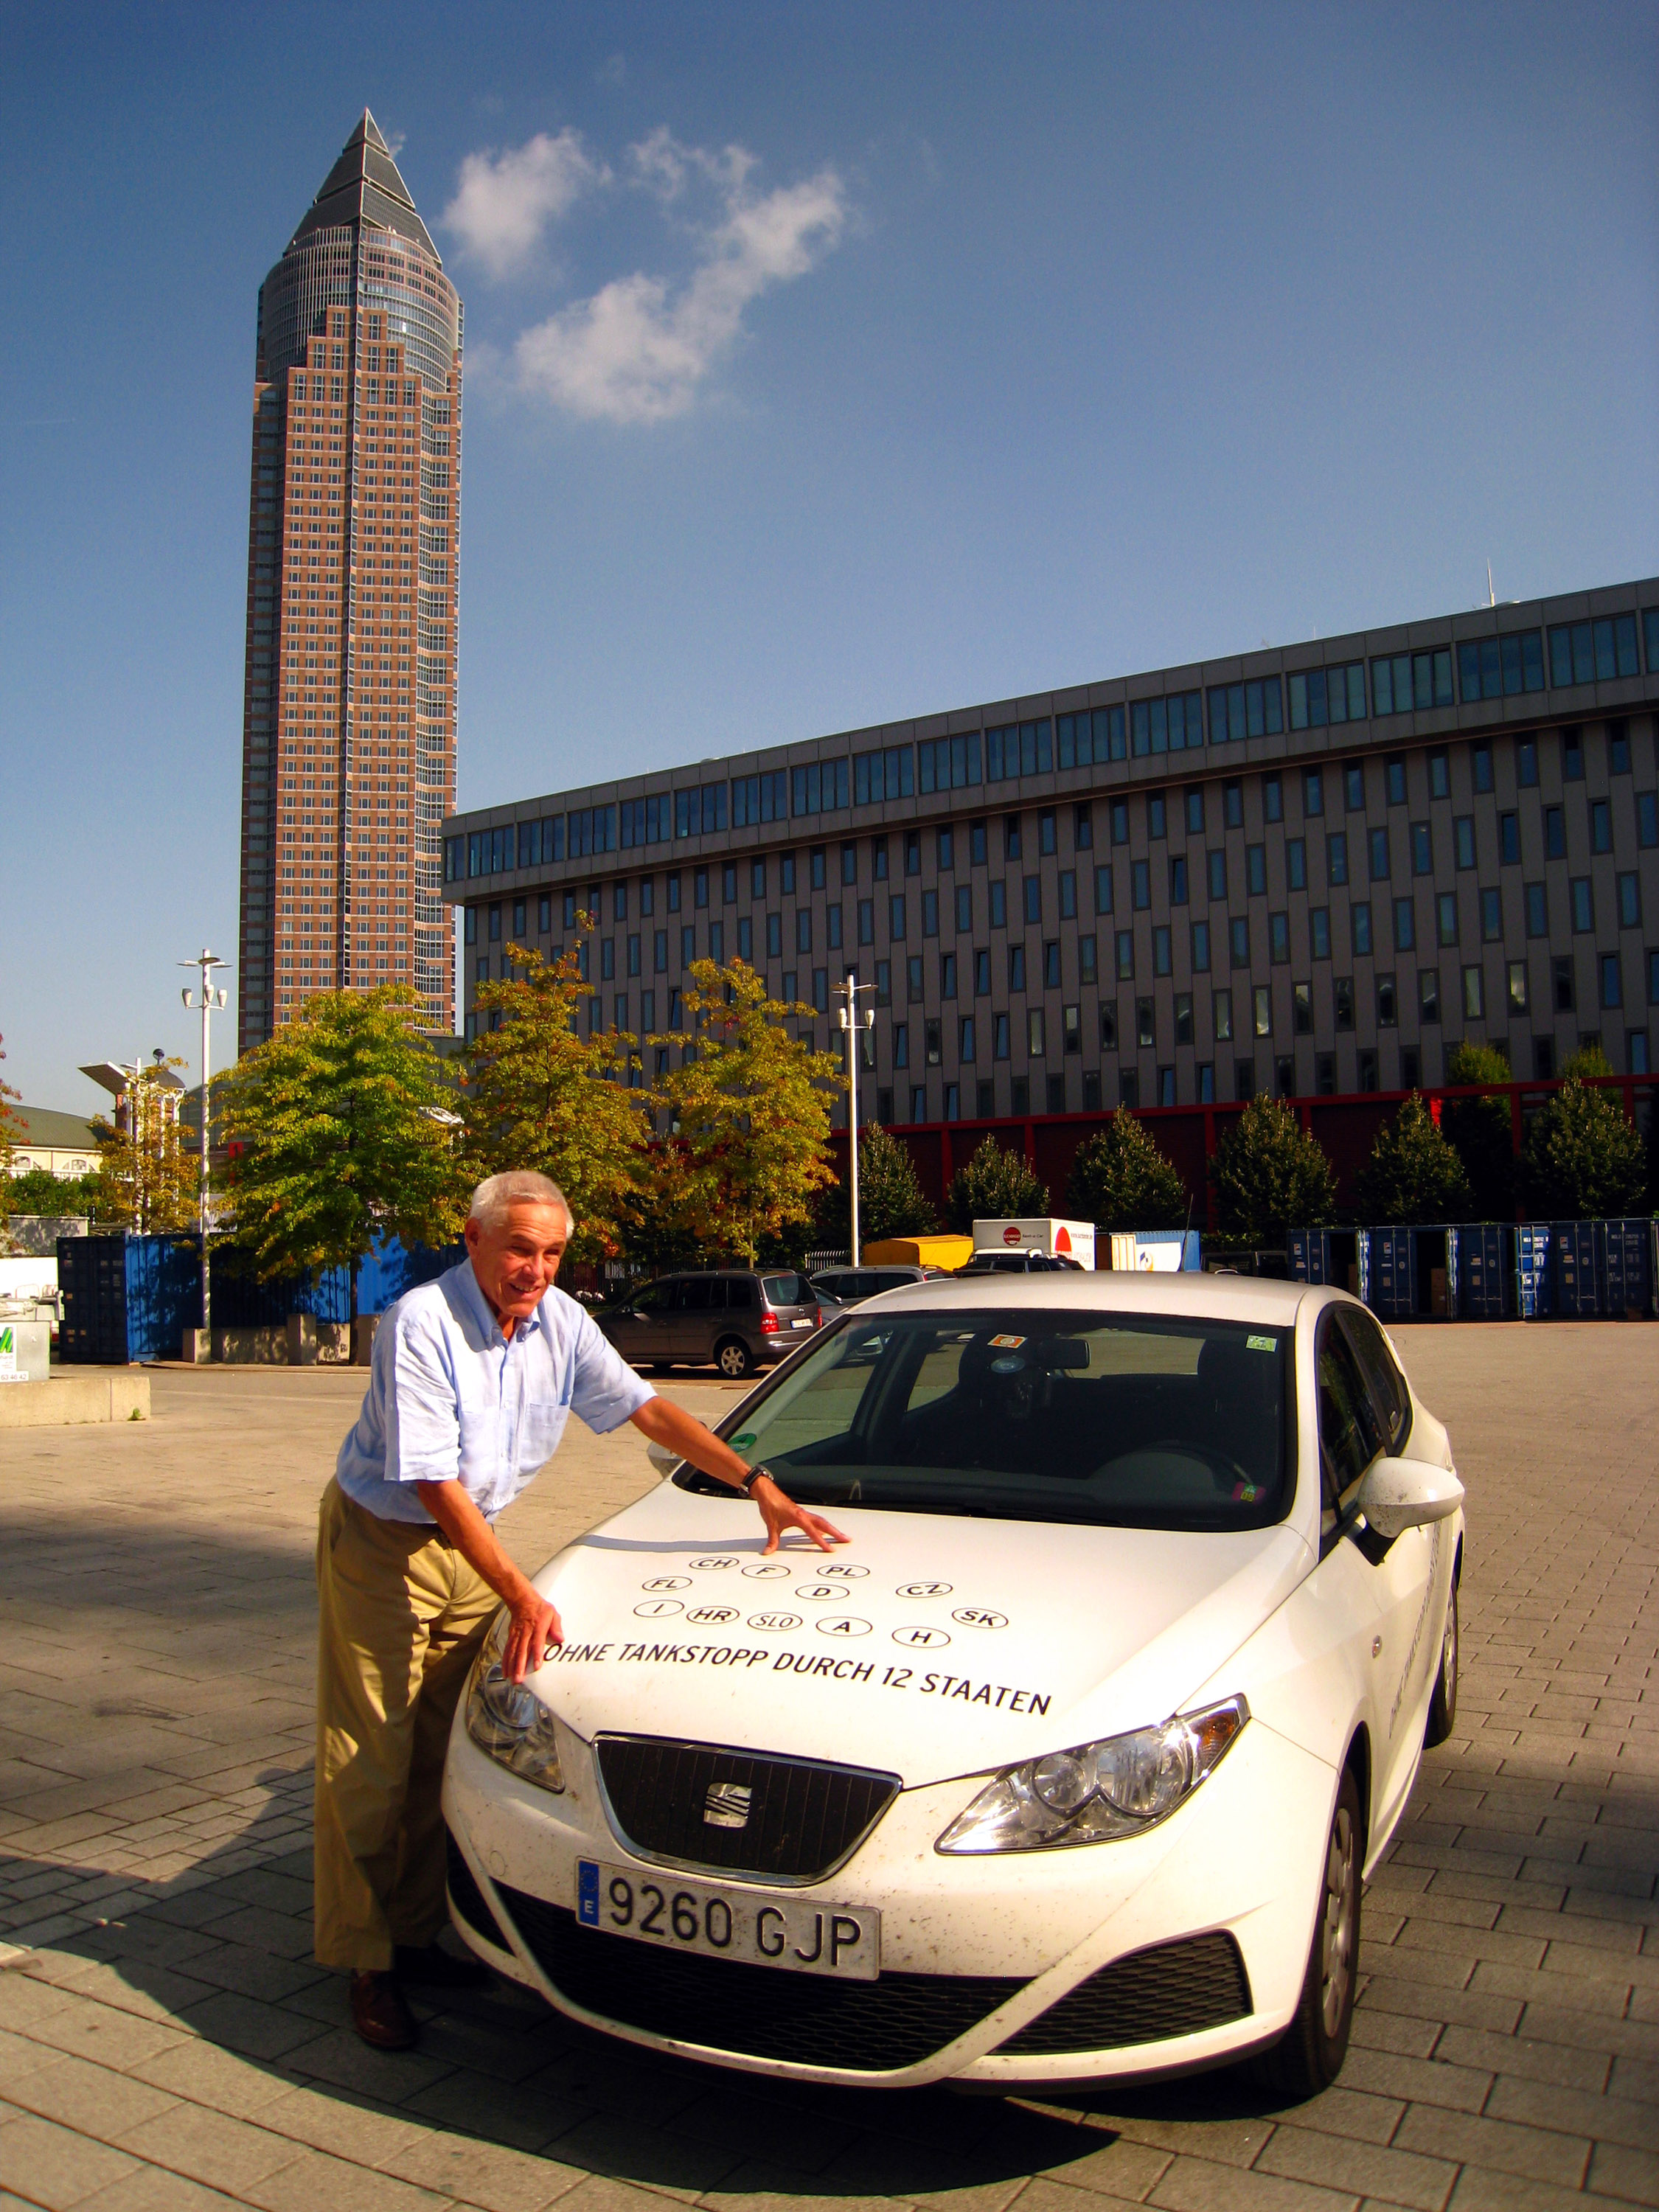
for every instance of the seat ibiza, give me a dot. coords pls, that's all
(1068, 1765)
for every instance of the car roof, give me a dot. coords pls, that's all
(1226, 1297)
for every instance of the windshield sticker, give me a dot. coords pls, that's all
(747, 1437)
(1000, 1697)
(1262, 1344)
(1007, 1343)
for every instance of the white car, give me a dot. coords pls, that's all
(1067, 1766)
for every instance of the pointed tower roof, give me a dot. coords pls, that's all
(364, 186)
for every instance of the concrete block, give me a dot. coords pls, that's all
(363, 1339)
(301, 1340)
(25, 1351)
(198, 1347)
(76, 1396)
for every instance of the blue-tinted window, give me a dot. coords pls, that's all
(701, 813)
(1312, 792)
(1600, 826)
(1411, 683)
(1492, 916)
(896, 915)
(1500, 667)
(1089, 740)
(1593, 652)
(1279, 939)
(1157, 814)
(1246, 710)
(982, 973)
(647, 821)
(1446, 917)
(1405, 925)
(824, 787)
(1171, 724)
(1296, 863)
(1067, 898)
(592, 830)
(945, 763)
(1126, 955)
(1319, 932)
(1481, 767)
(1255, 870)
(890, 773)
(1201, 948)
(1238, 940)
(1613, 981)
(1538, 910)
(1177, 880)
(1583, 904)
(1353, 781)
(1033, 899)
(1361, 918)
(757, 798)
(1141, 884)
(1378, 842)
(1161, 951)
(1509, 840)
(999, 1037)
(1555, 834)
(1103, 891)
(930, 913)
(1085, 958)
(1650, 624)
(1015, 967)
(1319, 696)
(1017, 748)
(1336, 856)
(998, 904)
(965, 1039)
(1218, 863)
(1647, 819)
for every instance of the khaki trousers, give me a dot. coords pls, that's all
(402, 1615)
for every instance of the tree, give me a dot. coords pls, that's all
(1580, 1158)
(1479, 1130)
(344, 1127)
(147, 1179)
(11, 1131)
(1120, 1180)
(38, 1190)
(994, 1186)
(891, 1201)
(1413, 1174)
(540, 1094)
(750, 1109)
(1271, 1177)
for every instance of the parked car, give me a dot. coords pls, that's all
(848, 1287)
(1068, 1765)
(737, 1319)
(1020, 1263)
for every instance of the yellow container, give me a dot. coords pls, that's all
(947, 1252)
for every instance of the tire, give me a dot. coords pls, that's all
(1443, 1705)
(1309, 2056)
(734, 1359)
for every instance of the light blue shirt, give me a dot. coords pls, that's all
(451, 1399)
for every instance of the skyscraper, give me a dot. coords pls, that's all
(349, 715)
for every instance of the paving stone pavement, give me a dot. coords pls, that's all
(166, 2040)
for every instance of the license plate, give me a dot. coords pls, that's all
(800, 1324)
(760, 1929)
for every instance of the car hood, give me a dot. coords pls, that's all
(970, 1643)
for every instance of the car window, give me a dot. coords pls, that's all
(1385, 1383)
(865, 1284)
(892, 1278)
(1350, 1434)
(832, 1287)
(785, 1290)
(1140, 1421)
(740, 1293)
(695, 1294)
(652, 1297)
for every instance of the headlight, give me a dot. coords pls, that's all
(507, 1719)
(1121, 1786)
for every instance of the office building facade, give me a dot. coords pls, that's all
(349, 708)
(1312, 871)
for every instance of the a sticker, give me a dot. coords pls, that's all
(747, 1437)
(1007, 1343)
(844, 1624)
(1262, 1344)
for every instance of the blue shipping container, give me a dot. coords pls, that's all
(1311, 1255)
(1392, 1284)
(1532, 1272)
(1578, 1279)
(127, 1297)
(1627, 1262)
(1483, 1275)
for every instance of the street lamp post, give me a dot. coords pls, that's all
(855, 1020)
(211, 1001)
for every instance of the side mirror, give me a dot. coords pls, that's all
(1397, 1494)
(666, 1461)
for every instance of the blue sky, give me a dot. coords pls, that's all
(825, 365)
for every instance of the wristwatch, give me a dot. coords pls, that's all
(754, 1476)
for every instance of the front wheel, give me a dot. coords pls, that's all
(735, 1360)
(1309, 2056)
(1443, 1705)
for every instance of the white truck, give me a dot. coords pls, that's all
(1062, 1240)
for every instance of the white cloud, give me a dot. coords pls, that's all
(504, 202)
(639, 348)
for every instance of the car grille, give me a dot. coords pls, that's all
(468, 1899)
(871, 2027)
(803, 1819)
(1174, 1989)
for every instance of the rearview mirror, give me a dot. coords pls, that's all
(661, 1458)
(1397, 1494)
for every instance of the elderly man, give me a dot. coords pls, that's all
(474, 1377)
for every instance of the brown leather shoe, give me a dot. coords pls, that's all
(379, 2014)
(429, 1966)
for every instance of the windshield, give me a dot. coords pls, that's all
(1130, 1419)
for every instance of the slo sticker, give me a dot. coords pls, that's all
(1007, 1343)
(1262, 1344)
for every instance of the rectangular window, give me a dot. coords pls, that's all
(774, 936)
(633, 955)
(1160, 950)
(746, 939)
(660, 953)
(1618, 748)
(1584, 906)
(1201, 948)
(965, 906)
(1256, 871)
(1018, 749)
(1474, 995)
(1046, 843)
(1238, 935)
(1600, 826)
(1388, 1005)
(1033, 900)
(688, 944)
(930, 913)
(1177, 880)
(804, 929)
(1171, 724)
(1071, 1022)
(1083, 829)
(824, 787)
(982, 973)
(896, 917)
(999, 1037)
(913, 852)
(1011, 837)
(1145, 1024)
(757, 798)
(1462, 842)
(1428, 994)
(1222, 1011)
(1104, 890)
(1140, 884)
(1237, 711)
(1302, 1009)
(1446, 916)
(1405, 925)
(1279, 939)
(1272, 798)
(1342, 1002)
(1393, 779)
(1411, 683)
(1496, 667)
(867, 921)
(1360, 918)
(888, 773)
(1125, 956)
(1647, 819)
(998, 891)
(1593, 652)
(850, 864)
(1353, 785)
(946, 764)
(1108, 1029)
(1336, 856)
(884, 982)
(1517, 978)
(1051, 965)
(1322, 695)
(1538, 910)
(934, 1044)
(1561, 977)
(1263, 1004)
(965, 1039)
(1083, 740)
(1312, 792)
(1196, 811)
(1296, 863)
(717, 943)
(1015, 967)
(1034, 1032)
(1481, 767)
(1378, 842)
(1630, 901)
(1492, 916)
(913, 977)
(1509, 840)
(1085, 958)
(1218, 867)
(832, 926)
(1119, 822)
(1232, 803)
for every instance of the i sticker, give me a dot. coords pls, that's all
(1262, 1344)
(1007, 1343)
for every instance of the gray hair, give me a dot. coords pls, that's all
(518, 1187)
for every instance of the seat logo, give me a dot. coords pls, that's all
(726, 1805)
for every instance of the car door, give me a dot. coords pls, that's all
(691, 1328)
(1377, 1591)
(640, 1330)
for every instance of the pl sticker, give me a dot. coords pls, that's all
(774, 1621)
(923, 1589)
(920, 1639)
(847, 1574)
(841, 1624)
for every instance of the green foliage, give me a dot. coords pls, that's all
(994, 1186)
(37, 1190)
(1581, 1159)
(11, 1131)
(1271, 1177)
(1479, 1130)
(346, 1128)
(891, 1201)
(1120, 1180)
(543, 1093)
(1587, 1063)
(1413, 1174)
(750, 1109)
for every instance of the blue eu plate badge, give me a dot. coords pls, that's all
(587, 1893)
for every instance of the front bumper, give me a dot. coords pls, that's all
(1142, 1935)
